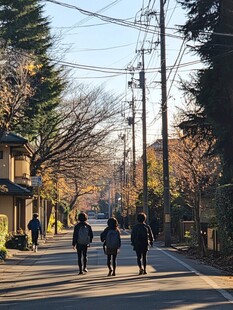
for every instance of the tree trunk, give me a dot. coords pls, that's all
(200, 241)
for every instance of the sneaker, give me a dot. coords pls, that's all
(140, 271)
(113, 274)
(110, 273)
(85, 270)
(144, 272)
(80, 272)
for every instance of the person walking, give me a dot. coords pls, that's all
(154, 225)
(112, 243)
(82, 237)
(35, 226)
(141, 237)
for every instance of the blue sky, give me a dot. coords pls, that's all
(89, 41)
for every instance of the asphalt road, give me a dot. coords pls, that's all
(49, 279)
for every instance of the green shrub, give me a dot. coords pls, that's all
(190, 238)
(3, 229)
(3, 235)
(3, 253)
(224, 214)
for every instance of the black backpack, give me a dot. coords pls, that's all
(83, 235)
(112, 240)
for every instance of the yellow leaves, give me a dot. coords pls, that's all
(192, 168)
(90, 188)
(33, 68)
(154, 170)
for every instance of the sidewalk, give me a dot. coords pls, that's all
(15, 256)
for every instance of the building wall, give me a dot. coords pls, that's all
(16, 168)
(22, 170)
(5, 163)
(12, 168)
(22, 166)
(18, 212)
(28, 213)
(6, 208)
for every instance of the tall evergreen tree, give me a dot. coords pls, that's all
(210, 24)
(24, 29)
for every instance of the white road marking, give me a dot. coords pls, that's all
(210, 282)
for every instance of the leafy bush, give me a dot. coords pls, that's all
(51, 224)
(224, 214)
(3, 229)
(3, 235)
(3, 253)
(191, 238)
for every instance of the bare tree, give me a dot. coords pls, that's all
(79, 131)
(15, 88)
(195, 170)
(79, 144)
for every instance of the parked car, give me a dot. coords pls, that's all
(101, 216)
(91, 215)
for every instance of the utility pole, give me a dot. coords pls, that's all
(133, 143)
(123, 173)
(167, 215)
(57, 199)
(131, 122)
(56, 210)
(144, 155)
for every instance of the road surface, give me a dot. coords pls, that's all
(49, 279)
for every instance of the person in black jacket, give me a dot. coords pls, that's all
(81, 243)
(112, 242)
(154, 225)
(141, 237)
(35, 227)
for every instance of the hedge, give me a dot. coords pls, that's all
(3, 234)
(224, 214)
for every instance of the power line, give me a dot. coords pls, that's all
(103, 48)
(121, 22)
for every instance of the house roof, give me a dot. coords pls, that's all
(8, 188)
(16, 141)
(12, 138)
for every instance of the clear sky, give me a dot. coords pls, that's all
(109, 44)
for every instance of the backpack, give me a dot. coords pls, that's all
(112, 240)
(83, 235)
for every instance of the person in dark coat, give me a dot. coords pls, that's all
(141, 237)
(154, 225)
(111, 252)
(82, 248)
(35, 227)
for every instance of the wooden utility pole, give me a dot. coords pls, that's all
(131, 122)
(133, 142)
(144, 155)
(167, 215)
(56, 210)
